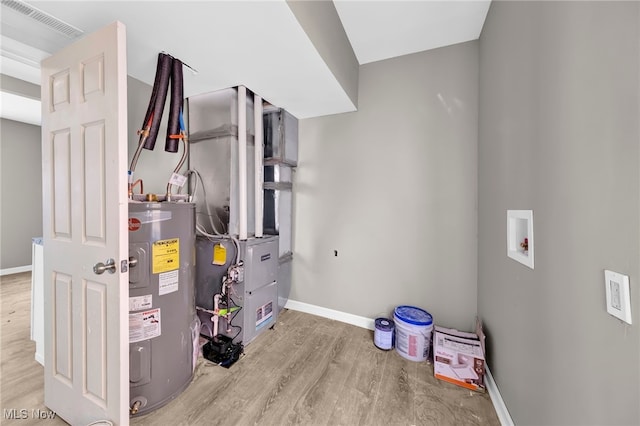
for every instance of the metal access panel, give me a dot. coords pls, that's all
(213, 153)
(261, 262)
(260, 289)
(261, 310)
(257, 293)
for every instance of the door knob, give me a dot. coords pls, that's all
(109, 266)
(133, 262)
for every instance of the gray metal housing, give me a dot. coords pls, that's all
(280, 137)
(162, 295)
(213, 136)
(213, 153)
(257, 293)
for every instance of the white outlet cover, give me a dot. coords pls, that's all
(618, 295)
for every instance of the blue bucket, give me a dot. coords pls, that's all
(413, 332)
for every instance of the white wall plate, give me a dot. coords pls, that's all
(618, 296)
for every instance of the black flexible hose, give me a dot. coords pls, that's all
(173, 127)
(158, 98)
(154, 92)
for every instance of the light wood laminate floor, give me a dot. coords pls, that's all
(306, 371)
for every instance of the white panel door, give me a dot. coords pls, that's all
(84, 155)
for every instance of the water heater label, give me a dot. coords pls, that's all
(144, 325)
(166, 255)
(168, 282)
(140, 303)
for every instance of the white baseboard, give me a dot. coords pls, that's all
(16, 270)
(368, 323)
(40, 358)
(496, 399)
(356, 320)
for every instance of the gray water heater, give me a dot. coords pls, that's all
(163, 325)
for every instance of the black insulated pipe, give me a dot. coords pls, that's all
(158, 98)
(173, 127)
(154, 92)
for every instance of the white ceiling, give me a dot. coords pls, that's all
(259, 44)
(380, 30)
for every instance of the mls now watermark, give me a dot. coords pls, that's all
(22, 414)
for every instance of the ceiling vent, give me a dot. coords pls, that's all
(43, 17)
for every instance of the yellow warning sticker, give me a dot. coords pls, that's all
(219, 255)
(165, 255)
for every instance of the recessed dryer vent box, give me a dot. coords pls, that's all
(618, 297)
(520, 236)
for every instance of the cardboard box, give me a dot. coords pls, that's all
(458, 357)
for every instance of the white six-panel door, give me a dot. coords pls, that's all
(84, 155)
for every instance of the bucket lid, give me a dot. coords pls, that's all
(413, 315)
(384, 324)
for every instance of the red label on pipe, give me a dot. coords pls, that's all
(134, 224)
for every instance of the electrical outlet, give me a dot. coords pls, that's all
(618, 295)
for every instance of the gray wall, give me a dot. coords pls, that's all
(392, 187)
(20, 181)
(559, 112)
(20, 192)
